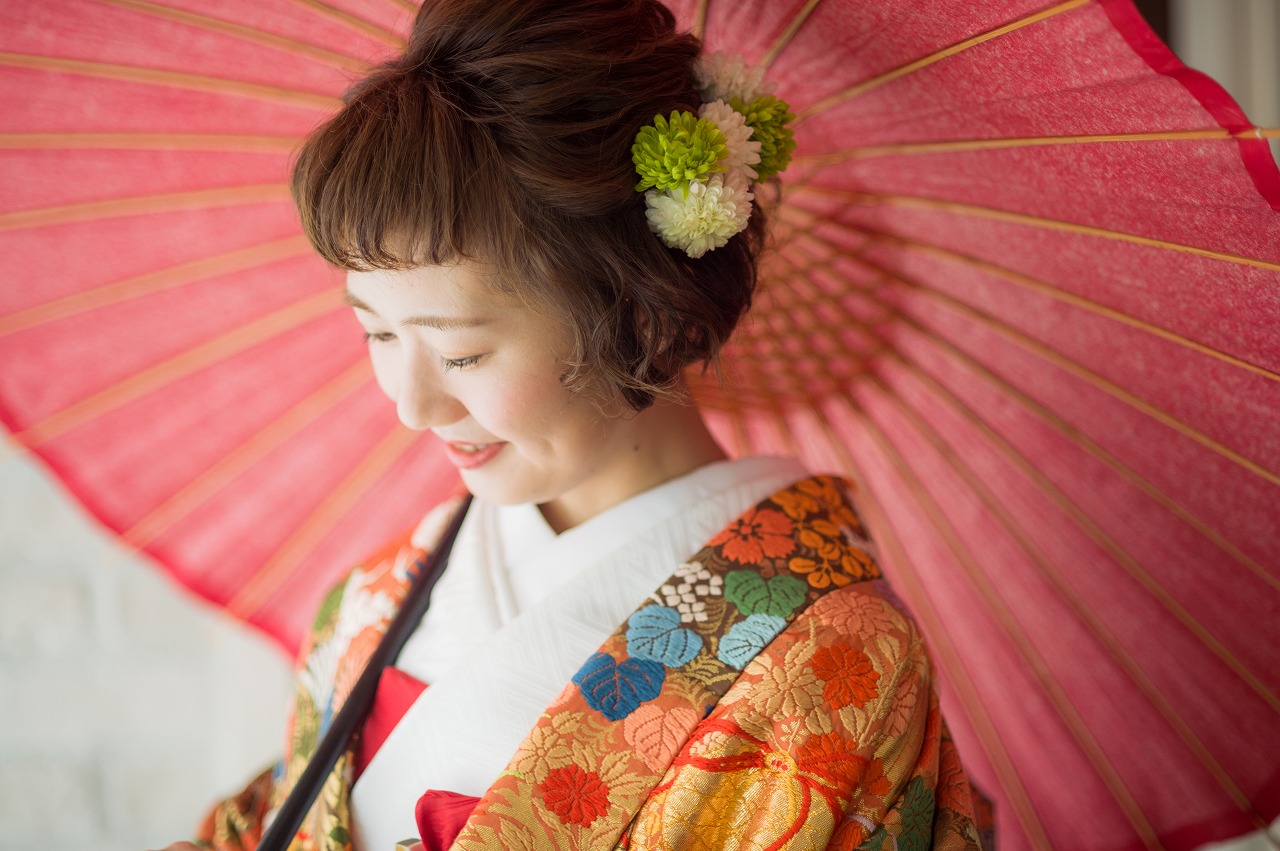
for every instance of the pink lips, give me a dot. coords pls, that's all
(468, 456)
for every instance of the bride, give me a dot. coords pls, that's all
(548, 213)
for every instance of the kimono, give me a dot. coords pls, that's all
(772, 693)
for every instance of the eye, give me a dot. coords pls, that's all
(460, 363)
(378, 336)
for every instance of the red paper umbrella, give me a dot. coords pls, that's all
(1025, 289)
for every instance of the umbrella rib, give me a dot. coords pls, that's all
(1092, 378)
(203, 488)
(284, 564)
(152, 282)
(149, 142)
(1087, 525)
(740, 435)
(954, 667)
(179, 366)
(911, 67)
(843, 155)
(1085, 442)
(785, 37)
(1096, 626)
(1018, 639)
(1084, 374)
(172, 79)
(1135, 570)
(757, 377)
(783, 299)
(1038, 221)
(700, 19)
(352, 22)
(788, 439)
(142, 205)
(1090, 446)
(1044, 288)
(815, 293)
(250, 34)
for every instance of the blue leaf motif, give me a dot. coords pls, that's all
(616, 689)
(655, 633)
(747, 638)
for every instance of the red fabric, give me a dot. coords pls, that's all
(441, 817)
(396, 693)
(1256, 153)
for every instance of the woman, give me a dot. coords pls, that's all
(637, 641)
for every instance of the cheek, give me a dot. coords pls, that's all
(534, 412)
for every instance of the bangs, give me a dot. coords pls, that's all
(503, 134)
(399, 178)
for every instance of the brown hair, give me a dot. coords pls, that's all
(503, 134)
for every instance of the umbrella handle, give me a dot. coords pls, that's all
(296, 806)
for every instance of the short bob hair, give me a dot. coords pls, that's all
(503, 134)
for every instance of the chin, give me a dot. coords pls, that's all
(497, 491)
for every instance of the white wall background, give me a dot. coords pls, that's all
(126, 706)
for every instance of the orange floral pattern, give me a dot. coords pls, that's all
(850, 678)
(576, 796)
(802, 715)
(803, 681)
(758, 534)
(831, 560)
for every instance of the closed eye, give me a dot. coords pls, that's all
(378, 336)
(460, 363)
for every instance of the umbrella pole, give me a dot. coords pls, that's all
(296, 806)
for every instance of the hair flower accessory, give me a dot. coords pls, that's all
(741, 150)
(768, 117)
(703, 219)
(724, 76)
(672, 153)
(696, 172)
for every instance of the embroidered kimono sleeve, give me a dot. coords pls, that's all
(236, 823)
(831, 738)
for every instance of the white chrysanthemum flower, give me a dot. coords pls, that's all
(742, 152)
(703, 220)
(722, 76)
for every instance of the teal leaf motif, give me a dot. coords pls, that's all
(917, 817)
(874, 842)
(747, 638)
(753, 595)
(655, 633)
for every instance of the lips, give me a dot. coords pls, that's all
(468, 456)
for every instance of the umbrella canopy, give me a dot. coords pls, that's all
(1024, 288)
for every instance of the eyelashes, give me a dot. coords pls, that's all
(446, 363)
(460, 363)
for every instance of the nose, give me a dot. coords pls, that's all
(422, 400)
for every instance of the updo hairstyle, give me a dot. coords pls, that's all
(503, 134)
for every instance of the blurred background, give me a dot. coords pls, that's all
(127, 705)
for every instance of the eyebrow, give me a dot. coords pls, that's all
(440, 323)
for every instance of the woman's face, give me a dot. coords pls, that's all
(482, 370)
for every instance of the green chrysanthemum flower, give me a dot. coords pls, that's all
(768, 118)
(671, 153)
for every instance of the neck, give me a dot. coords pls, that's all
(662, 442)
